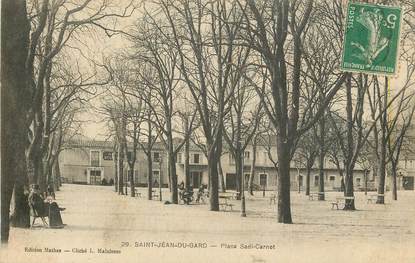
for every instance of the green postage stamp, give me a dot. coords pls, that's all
(372, 38)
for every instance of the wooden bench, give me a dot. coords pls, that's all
(35, 214)
(341, 200)
(314, 195)
(137, 193)
(224, 204)
(155, 194)
(373, 198)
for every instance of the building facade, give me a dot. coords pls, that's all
(90, 162)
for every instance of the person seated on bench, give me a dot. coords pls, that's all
(200, 192)
(51, 192)
(46, 207)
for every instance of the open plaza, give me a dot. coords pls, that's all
(103, 226)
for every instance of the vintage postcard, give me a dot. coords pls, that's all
(207, 131)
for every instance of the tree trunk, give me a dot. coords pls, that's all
(42, 179)
(20, 215)
(186, 161)
(14, 96)
(150, 176)
(321, 196)
(57, 174)
(222, 178)
(213, 181)
(132, 186)
(349, 190)
(307, 180)
(173, 175)
(252, 173)
(120, 170)
(238, 173)
(116, 171)
(149, 160)
(382, 177)
(284, 202)
(383, 145)
(394, 183)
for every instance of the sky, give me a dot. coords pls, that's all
(101, 45)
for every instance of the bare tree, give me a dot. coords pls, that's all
(204, 50)
(15, 93)
(267, 26)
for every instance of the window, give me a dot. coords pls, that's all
(156, 178)
(195, 178)
(156, 157)
(136, 176)
(95, 158)
(179, 158)
(107, 156)
(332, 178)
(196, 158)
(246, 181)
(316, 180)
(263, 178)
(231, 159)
(357, 182)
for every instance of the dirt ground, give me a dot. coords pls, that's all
(103, 226)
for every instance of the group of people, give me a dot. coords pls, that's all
(185, 194)
(44, 205)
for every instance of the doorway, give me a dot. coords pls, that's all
(408, 182)
(230, 181)
(195, 179)
(95, 177)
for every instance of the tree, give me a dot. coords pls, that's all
(152, 48)
(307, 153)
(205, 42)
(266, 26)
(15, 94)
(241, 124)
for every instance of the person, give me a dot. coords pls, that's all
(46, 207)
(50, 192)
(200, 192)
(181, 190)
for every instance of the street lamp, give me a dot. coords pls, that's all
(243, 212)
(160, 159)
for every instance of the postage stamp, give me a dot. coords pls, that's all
(372, 36)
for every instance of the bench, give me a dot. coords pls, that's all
(273, 199)
(35, 214)
(224, 204)
(235, 195)
(314, 195)
(341, 200)
(373, 198)
(137, 193)
(155, 194)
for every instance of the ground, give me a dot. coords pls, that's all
(97, 217)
